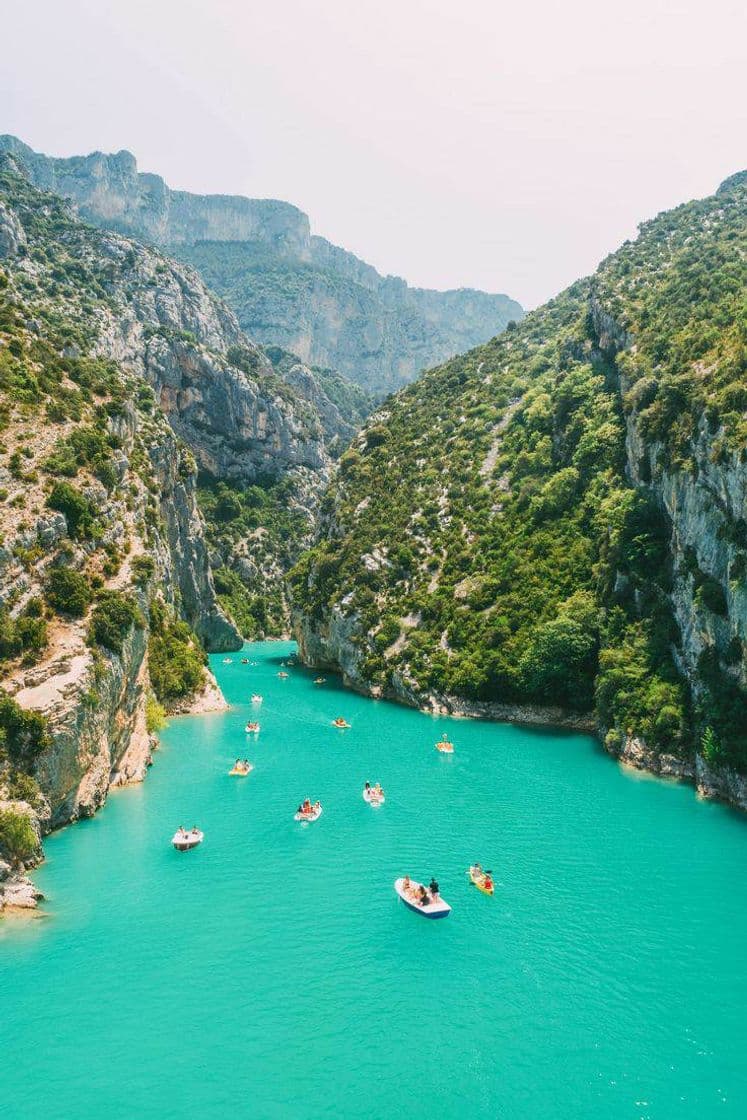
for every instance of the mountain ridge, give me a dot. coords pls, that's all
(289, 287)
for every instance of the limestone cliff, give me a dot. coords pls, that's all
(559, 518)
(111, 359)
(288, 288)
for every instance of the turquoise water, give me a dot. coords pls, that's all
(274, 973)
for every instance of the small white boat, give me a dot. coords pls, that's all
(282, 675)
(314, 815)
(373, 798)
(256, 699)
(438, 909)
(241, 770)
(252, 728)
(227, 661)
(320, 680)
(186, 838)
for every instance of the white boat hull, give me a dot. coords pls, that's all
(438, 909)
(308, 816)
(185, 842)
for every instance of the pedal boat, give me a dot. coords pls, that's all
(241, 771)
(314, 815)
(374, 798)
(438, 909)
(282, 675)
(256, 699)
(445, 746)
(252, 728)
(341, 723)
(185, 841)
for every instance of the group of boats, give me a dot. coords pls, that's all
(423, 900)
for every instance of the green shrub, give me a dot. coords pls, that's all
(17, 837)
(78, 510)
(712, 596)
(155, 715)
(23, 734)
(68, 592)
(112, 619)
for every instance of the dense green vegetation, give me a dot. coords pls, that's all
(17, 836)
(484, 531)
(113, 617)
(176, 659)
(259, 531)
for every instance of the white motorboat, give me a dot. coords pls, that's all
(433, 909)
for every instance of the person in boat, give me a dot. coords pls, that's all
(487, 881)
(367, 787)
(317, 806)
(406, 884)
(433, 888)
(246, 763)
(477, 870)
(377, 790)
(306, 808)
(424, 899)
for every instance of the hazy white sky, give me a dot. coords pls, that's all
(506, 146)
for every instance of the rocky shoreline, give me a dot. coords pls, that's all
(18, 894)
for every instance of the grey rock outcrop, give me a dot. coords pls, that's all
(289, 288)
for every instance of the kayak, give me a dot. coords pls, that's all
(314, 815)
(240, 771)
(478, 881)
(373, 798)
(184, 841)
(438, 909)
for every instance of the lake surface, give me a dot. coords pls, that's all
(273, 972)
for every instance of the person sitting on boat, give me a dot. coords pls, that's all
(487, 881)
(306, 806)
(476, 870)
(317, 806)
(424, 899)
(406, 884)
(377, 790)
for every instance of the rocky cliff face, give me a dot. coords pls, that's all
(560, 517)
(119, 376)
(287, 287)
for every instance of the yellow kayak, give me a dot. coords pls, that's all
(477, 878)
